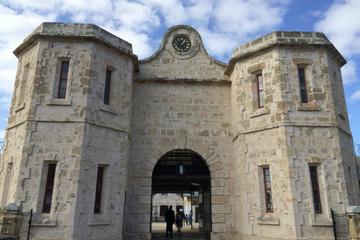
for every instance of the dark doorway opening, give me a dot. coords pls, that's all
(181, 178)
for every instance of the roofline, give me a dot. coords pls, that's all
(92, 34)
(283, 39)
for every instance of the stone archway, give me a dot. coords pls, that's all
(138, 200)
(183, 173)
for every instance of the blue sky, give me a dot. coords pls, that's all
(223, 24)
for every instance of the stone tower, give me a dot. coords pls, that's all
(293, 133)
(67, 130)
(89, 122)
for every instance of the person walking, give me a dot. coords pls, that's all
(190, 219)
(179, 219)
(186, 220)
(169, 219)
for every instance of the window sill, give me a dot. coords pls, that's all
(43, 221)
(321, 221)
(267, 219)
(19, 108)
(108, 109)
(260, 112)
(40, 224)
(98, 221)
(311, 106)
(59, 102)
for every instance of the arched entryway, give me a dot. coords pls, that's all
(181, 178)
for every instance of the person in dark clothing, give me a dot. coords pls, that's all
(169, 219)
(179, 219)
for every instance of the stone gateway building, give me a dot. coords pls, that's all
(94, 132)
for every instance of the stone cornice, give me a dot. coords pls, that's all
(77, 32)
(283, 39)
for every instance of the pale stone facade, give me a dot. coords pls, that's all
(177, 101)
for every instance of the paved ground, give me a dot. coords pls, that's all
(186, 233)
(179, 236)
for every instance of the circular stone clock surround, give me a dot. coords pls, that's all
(182, 43)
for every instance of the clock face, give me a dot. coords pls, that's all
(181, 44)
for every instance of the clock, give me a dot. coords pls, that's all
(181, 44)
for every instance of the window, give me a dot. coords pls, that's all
(260, 90)
(107, 87)
(302, 82)
(23, 84)
(99, 189)
(267, 188)
(315, 189)
(63, 79)
(49, 187)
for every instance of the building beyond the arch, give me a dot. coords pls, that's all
(88, 122)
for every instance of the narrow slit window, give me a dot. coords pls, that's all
(49, 187)
(99, 189)
(107, 87)
(63, 79)
(23, 84)
(260, 90)
(315, 189)
(302, 83)
(267, 188)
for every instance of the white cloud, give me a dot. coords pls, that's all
(341, 23)
(2, 135)
(218, 44)
(199, 11)
(127, 18)
(244, 17)
(349, 72)
(172, 11)
(355, 96)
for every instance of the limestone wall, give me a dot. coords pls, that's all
(259, 141)
(251, 219)
(53, 143)
(169, 116)
(17, 138)
(116, 114)
(106, 143)
(316, 132)
(69, 132)
(108, 148)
